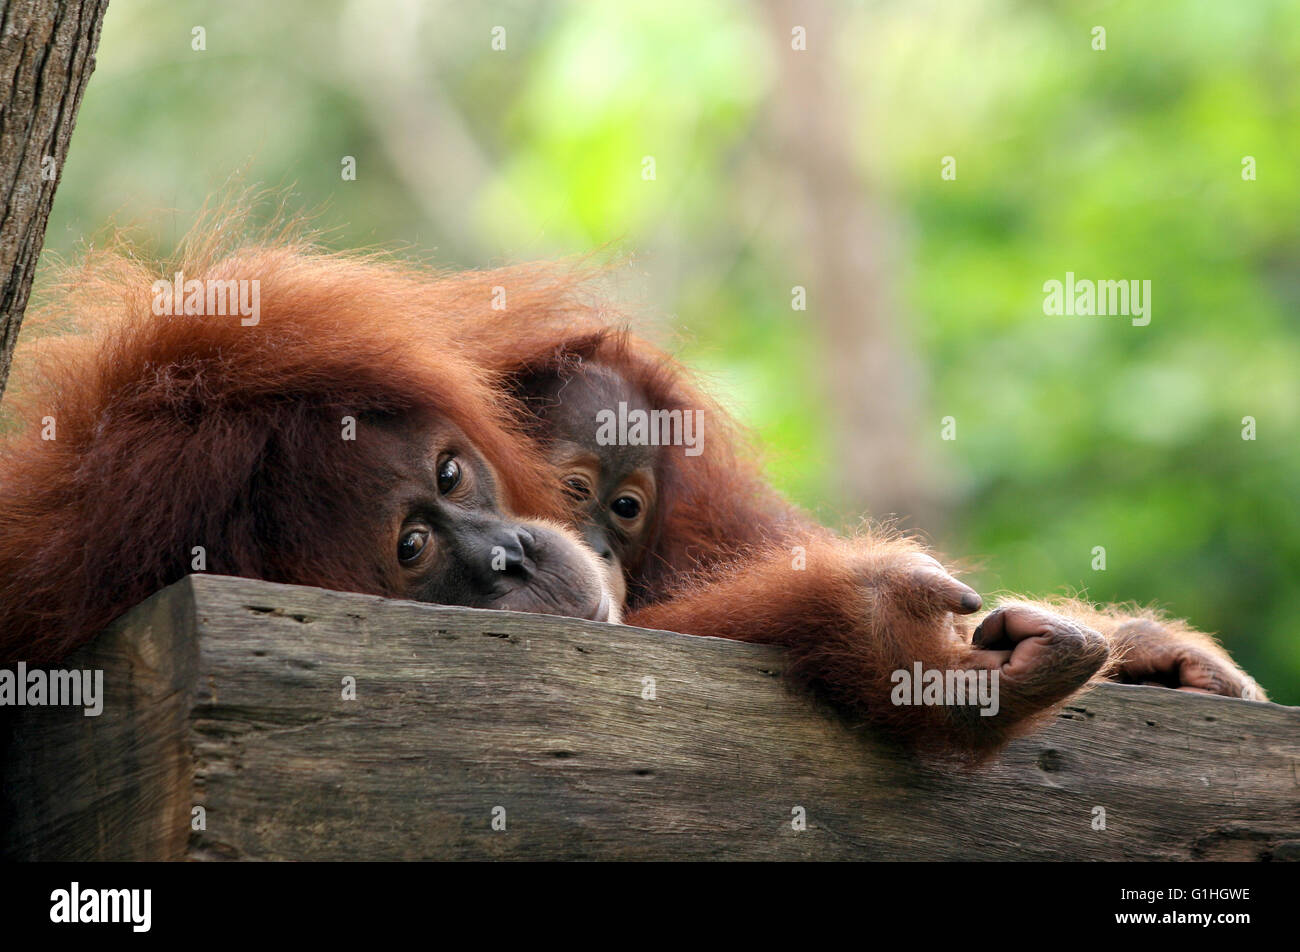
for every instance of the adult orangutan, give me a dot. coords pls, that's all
(308, 441)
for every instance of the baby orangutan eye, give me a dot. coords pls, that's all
(412, 544)
(577, 488)
(626, 507)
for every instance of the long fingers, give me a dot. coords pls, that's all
(932, 578)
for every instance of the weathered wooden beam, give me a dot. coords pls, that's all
(229, 694)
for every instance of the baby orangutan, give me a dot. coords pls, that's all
(706, 547)
(613, 486)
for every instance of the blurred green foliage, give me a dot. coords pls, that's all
(1125, 163)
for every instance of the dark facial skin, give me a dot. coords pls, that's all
(613, 486)
(451, 543)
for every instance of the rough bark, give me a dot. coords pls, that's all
(47, 53)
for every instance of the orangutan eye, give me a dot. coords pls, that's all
(412, 544)
(577, 487)
(448, 475)
(626, 507)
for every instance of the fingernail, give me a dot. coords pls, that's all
(971, 602)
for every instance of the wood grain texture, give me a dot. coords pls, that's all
(458, 712)
(113, 786)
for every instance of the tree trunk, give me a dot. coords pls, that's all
(47, 53)
(874, 379)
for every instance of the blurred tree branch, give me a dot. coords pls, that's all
(429, 144)
(873, 378)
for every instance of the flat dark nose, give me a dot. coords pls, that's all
(510, 551)
(595, 537)
(498, 551)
